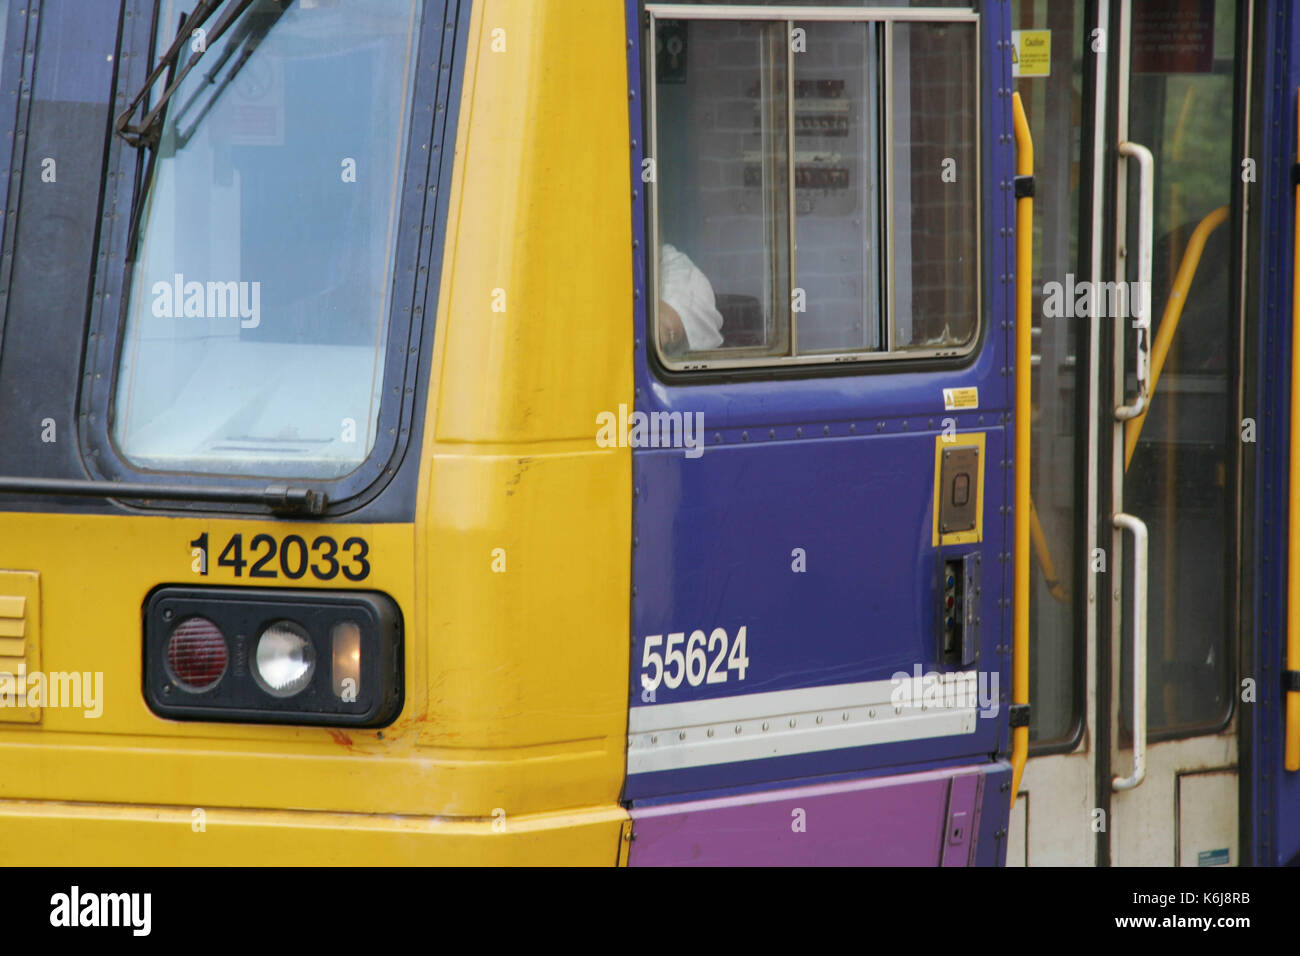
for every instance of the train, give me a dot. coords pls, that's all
(638, 433)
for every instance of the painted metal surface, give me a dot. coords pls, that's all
(525, 667)
(958, 838)
(1143, 823)
(836, 465)
(116, 834)
(921, 819)
(1272, 793)
(1291, 720)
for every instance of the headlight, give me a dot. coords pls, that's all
(285, 660)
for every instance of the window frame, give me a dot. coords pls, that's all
(15, 105)
(424, 125)
(886, 17)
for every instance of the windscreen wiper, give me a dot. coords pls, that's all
(148, 131)
(281, 499)
(144, 175)
(248, 34)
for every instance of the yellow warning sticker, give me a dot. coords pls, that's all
(954, 398)
(1031, 52)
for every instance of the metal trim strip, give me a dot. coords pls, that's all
(731, 729)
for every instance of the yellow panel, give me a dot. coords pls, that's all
(20, 645)
(63, 834)
(959, 440)
(544, 216)
(525, 523)
(98, 573)
(541, 644)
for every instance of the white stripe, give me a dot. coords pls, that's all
(737, 11)
(781, 723)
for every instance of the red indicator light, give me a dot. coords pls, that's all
(949, 602)
(196, 654)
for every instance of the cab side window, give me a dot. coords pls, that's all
(814, 187)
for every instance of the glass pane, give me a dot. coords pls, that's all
(1181, 103)
(259, 300)
(935, 185)
(1053, 106)
(722, 166)
(837, 176)
(4, 24)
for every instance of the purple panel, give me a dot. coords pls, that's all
(889, 821)
(963, 808)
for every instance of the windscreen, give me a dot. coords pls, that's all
(259, 296)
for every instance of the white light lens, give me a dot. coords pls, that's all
(285, 659)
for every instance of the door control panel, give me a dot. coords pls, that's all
(959, 475)
(959, 609)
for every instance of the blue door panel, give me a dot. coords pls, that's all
(838, 463)
(1272, 793)
(717, 538)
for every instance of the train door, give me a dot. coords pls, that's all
(1136, 435)
(822, 482)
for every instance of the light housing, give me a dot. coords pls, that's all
(287, 655)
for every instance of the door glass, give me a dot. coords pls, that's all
(936, 280)
(724, 261)
(1051, 88)
(837, 187)
(1181, 108)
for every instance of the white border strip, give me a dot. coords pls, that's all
(730, 11)
(781, 723)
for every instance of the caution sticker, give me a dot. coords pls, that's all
(1031, 52)
(956, 398)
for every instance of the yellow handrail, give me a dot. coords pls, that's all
(1173, 313)
(1024, 268)
(1293, 515)
(1054, 587)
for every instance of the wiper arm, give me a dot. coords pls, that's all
(147, 132)
(144, 177)
(248, 34)
(281, 499)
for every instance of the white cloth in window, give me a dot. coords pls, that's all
(690, 294)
